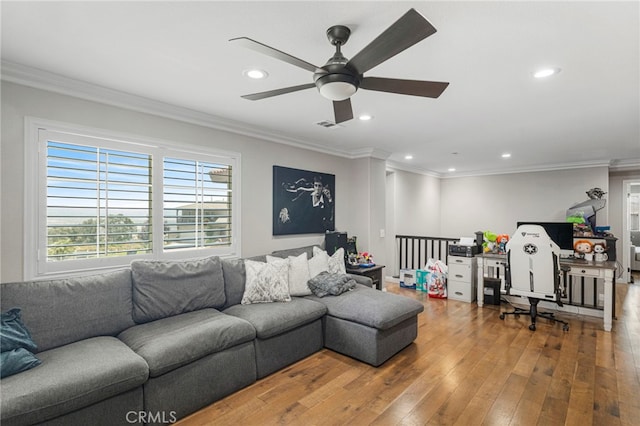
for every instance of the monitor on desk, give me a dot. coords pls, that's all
(560, 232)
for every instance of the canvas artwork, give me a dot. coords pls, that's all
(303, 201)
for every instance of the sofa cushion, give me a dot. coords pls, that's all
(88, 306)
(276, 318)
(370, 307)
(294, 252)
(266, 282)
(172, 342)
(71, 377)
(234, 279)
(165, 288)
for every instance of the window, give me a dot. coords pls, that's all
(100, 201)
(197, 204)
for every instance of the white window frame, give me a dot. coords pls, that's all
(35, 265)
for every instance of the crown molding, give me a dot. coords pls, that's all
(394, 166)
(534, 169)
(45, 80)
(370, 153)
(630, 164)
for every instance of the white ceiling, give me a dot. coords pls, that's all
(178, 53)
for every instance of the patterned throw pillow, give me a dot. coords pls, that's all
(266, 282)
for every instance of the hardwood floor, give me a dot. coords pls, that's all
(466, 367)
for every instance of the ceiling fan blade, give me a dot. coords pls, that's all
(342, 110)
(427, 89)
(404, 33)
(275, 53)
(276, 92)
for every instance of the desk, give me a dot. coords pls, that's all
(374, 272)
(492, 265)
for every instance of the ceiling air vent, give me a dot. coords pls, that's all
(328, 124)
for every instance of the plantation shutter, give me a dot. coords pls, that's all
(197, 199)
(98, 202)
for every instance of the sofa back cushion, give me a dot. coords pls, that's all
(165, 288)
(295, 252)
(635, 238)
(235, 277)
(62, 311)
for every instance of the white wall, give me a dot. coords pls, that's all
(497, 202)
(258, 158)
(412, 208)
(368, 202)
(417, 204)
(617, 209)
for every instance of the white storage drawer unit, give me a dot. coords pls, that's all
(461, 280)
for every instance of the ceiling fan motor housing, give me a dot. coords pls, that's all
(339, 82)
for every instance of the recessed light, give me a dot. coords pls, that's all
(408, 157)
(506, 155)
(255, 73)
(451, 169)
(546, 72)
(365, 117)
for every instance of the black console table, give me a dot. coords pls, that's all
(374, 272)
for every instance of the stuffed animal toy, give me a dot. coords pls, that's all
(583, 249)
(501, 241)
(600, 252)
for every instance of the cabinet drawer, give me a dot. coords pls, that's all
(585, 272)
(465, 292)
(460, 273)
(458, 260)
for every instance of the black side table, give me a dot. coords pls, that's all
(374, 272)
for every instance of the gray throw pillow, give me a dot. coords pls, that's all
(16, 345)
(16, 361)
(325, 284)
(165, 288)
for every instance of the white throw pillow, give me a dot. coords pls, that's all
(266, 282)
(336, 262)
(298, 274)
(319, 262)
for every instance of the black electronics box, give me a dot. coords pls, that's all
(335, 240)
(491, 291)
(464, 251)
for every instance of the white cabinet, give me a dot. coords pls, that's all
(461, 280)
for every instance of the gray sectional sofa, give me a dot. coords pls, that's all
(156, 342)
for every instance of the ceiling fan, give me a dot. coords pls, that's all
(340, 77)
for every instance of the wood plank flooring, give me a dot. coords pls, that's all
(467, 367)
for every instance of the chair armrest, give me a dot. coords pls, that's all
(361, 279)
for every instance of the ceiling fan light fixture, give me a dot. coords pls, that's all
(336, 86)
(337, 90)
